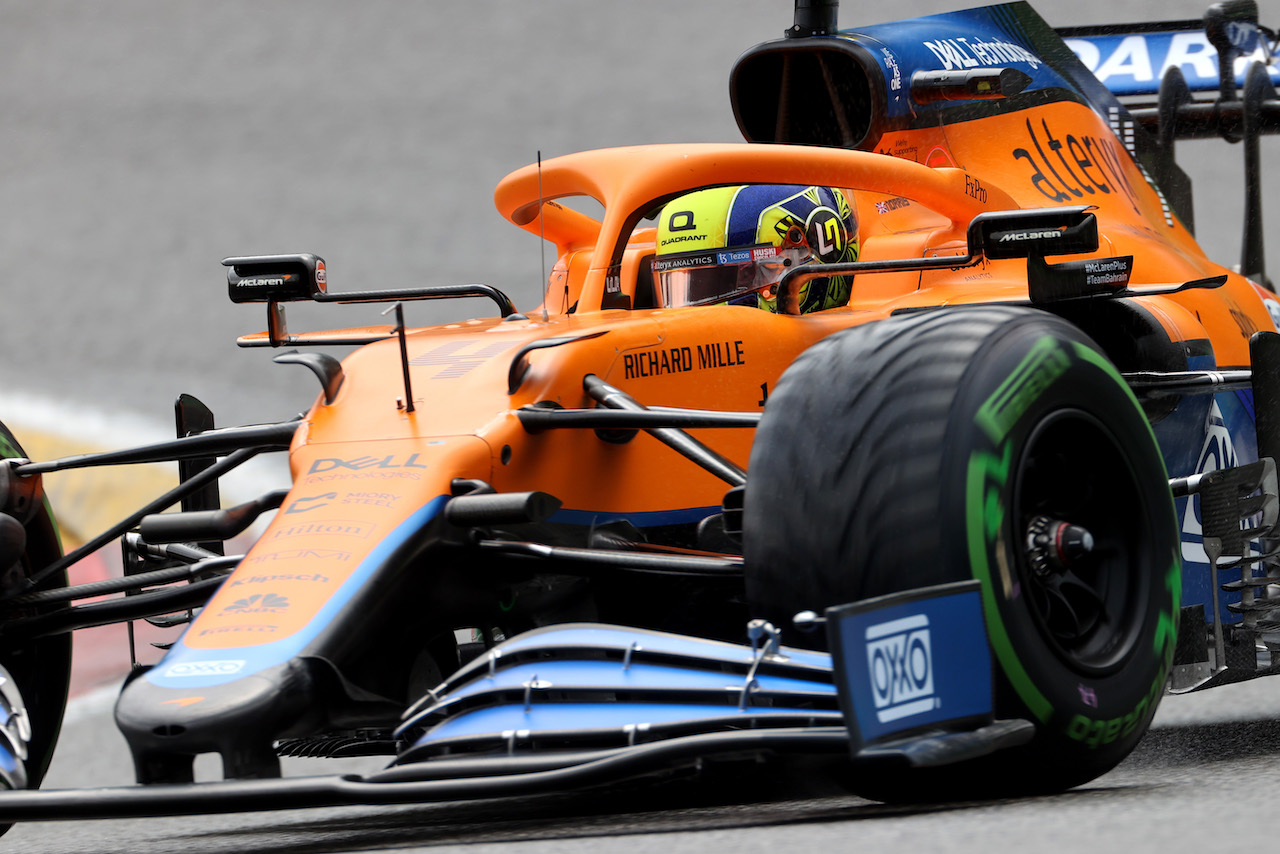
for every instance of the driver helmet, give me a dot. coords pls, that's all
(732, 245)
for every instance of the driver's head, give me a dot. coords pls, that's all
(732, 245)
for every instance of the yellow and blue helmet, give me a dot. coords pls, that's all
(732, 245)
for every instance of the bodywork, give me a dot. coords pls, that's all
(577, 468)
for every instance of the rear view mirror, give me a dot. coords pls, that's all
(275, 278)
(1038, 232)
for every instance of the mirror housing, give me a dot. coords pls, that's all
(1035, 232)
(275, 278)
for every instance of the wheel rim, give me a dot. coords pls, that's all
(1086, 602)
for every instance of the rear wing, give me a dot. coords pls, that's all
(1226, 52)
(1131, 59)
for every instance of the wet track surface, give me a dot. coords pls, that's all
(1203, 760)
(143, 141)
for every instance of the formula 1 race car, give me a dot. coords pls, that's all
(918, 432)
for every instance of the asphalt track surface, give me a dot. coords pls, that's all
(144, 140)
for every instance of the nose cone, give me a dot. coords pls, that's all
(166, 728)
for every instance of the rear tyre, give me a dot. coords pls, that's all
(987, 443)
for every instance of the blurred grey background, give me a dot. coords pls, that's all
(141, 141)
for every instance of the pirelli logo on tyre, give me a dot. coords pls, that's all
(1039, 368)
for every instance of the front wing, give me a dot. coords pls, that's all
(581, 705)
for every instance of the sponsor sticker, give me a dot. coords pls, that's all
(674, 360)
(909, 660)
(204, 668)
(327, 528)
(900, 662)
(891, 205)
(1134, 63)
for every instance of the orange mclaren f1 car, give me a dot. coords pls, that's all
(916, 431)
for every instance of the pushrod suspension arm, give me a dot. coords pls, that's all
(726, 566)
(676, 439)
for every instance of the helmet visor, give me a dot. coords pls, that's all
(715, 276)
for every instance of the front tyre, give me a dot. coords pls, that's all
(35, 675)
(991, 443)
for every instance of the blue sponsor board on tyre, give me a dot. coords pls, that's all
(912, 660)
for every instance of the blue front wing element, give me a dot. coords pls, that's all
(592, 686)
(907, 664)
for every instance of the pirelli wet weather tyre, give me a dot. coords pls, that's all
(41, 667)
(995, 443)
